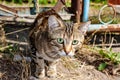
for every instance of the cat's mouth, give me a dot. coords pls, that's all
(63, 53)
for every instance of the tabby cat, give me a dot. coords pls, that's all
(50, 38)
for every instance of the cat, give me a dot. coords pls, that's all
(51, 38)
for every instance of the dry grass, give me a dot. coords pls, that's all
(10, 70)
(83, 67)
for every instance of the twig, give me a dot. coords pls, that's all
(3, 48)
(94, 40)
(111, 43)
(118, 44)
(17, 42)
(16, 31)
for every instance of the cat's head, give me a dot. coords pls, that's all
(66, 37)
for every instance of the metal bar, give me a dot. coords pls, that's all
(114, 2)
(36, 6)
(85, 10)
(104, 28)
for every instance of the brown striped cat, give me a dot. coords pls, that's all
(50, 38)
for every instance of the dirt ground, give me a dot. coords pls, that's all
(82, 67)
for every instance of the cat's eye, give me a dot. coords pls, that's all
(60, 40)
(75, 42)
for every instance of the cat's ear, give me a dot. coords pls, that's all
(84, 27)
(53, 22)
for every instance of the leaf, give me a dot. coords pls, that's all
(118, 57)
(102, 66)
(101, 52)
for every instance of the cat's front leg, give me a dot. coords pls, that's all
(40, 68)
(51, 71)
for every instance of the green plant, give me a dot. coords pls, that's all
(107, 54)
(53, 2)
(43, 2)
(99, 1)
(10, 50)
(102, 66)
(113, 56)
(18, 1)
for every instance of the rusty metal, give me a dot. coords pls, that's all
(112, 27)
(103, 28)
(101, 10)
(114, 2)
(76, 8)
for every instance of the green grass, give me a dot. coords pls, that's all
(113, 56)
(10, 50)
(99, 1)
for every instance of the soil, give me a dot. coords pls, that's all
(82, 67)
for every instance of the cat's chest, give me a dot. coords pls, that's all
(46, 56)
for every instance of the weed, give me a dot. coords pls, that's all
(10, 50)
(102, 66)
(113, 56)
(99, 1)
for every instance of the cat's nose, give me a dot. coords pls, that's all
(67, 52)
(67, 49)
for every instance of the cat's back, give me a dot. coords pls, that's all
(41, 22)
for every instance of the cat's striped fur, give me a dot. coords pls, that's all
(51, 38)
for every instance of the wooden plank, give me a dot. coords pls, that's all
(8, 9)
(60, 4)
(16, 19)
(76, 8)
(29, 18)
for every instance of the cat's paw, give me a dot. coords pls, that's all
(51, 74)
(41, 74)
(33, 78)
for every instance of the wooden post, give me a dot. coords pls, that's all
(76, 8)
(8, 9)
(60, 4)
